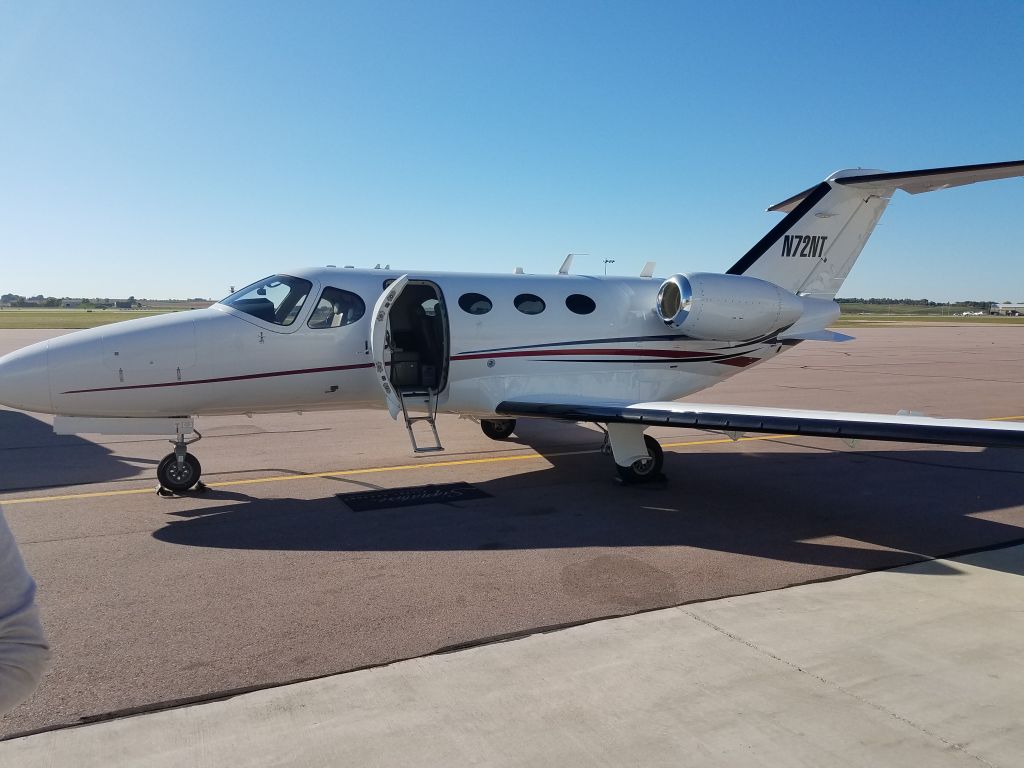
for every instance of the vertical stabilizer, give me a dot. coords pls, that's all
(812, 250)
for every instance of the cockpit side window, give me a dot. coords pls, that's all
(336, 308)
(277, 299)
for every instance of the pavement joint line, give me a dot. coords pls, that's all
(368, 470)
(398, 468)
(834, 685)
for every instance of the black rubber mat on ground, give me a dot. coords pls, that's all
(367, 501)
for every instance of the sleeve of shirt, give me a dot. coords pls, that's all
(24, 652)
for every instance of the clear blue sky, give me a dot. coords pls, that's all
(174, 149)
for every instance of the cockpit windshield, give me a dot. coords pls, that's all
(276, 299)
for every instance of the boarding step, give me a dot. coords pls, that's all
(421, 398)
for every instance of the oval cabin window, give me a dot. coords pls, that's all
(580, 304)
(475, 303)
(529, 304)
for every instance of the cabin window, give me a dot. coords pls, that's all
(475, 303)
(580, 304)
(277, 299)
(336, 308)
(529, 304)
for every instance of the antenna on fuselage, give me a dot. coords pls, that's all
(648, 270)
(518, 271)
(564, 269)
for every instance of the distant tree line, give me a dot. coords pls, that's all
(15, 300)
(919, 302)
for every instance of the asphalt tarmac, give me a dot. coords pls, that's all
(269, 578)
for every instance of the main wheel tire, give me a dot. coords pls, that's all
(175, 478)
(498, 429)
(644, 470)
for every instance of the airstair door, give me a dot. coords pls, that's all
(380, 351)
(397, 355)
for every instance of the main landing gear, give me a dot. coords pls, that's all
(638, 457)
(646, 469)
(498, 429)
(180, 471)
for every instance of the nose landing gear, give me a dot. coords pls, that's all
(180, 471)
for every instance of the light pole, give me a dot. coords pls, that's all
(606, 263)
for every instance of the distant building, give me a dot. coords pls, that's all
(1007, 309)
(71, 303)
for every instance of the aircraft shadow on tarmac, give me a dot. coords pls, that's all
(35, 458)
(859, 510)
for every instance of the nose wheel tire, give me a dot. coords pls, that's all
(178, 478)
(498, 429)
(646, 469)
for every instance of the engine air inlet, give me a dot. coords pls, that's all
(675, 297)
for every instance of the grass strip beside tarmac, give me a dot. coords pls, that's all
(860, 321)
(74, 319)
(12, 318)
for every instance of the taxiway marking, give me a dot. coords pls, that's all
(400, 468)
(367, 470)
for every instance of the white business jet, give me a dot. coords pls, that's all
(614, 351)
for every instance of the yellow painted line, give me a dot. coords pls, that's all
(395, 468)
(365, 471)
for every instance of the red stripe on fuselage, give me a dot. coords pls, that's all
(667, 354)
(242, 377)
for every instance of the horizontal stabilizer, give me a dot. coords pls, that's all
(787, 205)
(738, 418)
(932, 179)
(914, 182)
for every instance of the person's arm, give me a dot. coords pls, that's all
(24, 652)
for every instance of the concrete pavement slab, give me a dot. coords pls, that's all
(912, 666)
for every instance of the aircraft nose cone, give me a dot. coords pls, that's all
(25, 379)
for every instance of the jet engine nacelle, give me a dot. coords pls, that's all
(725, 307)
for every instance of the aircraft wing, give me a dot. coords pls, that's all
(909, 428)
